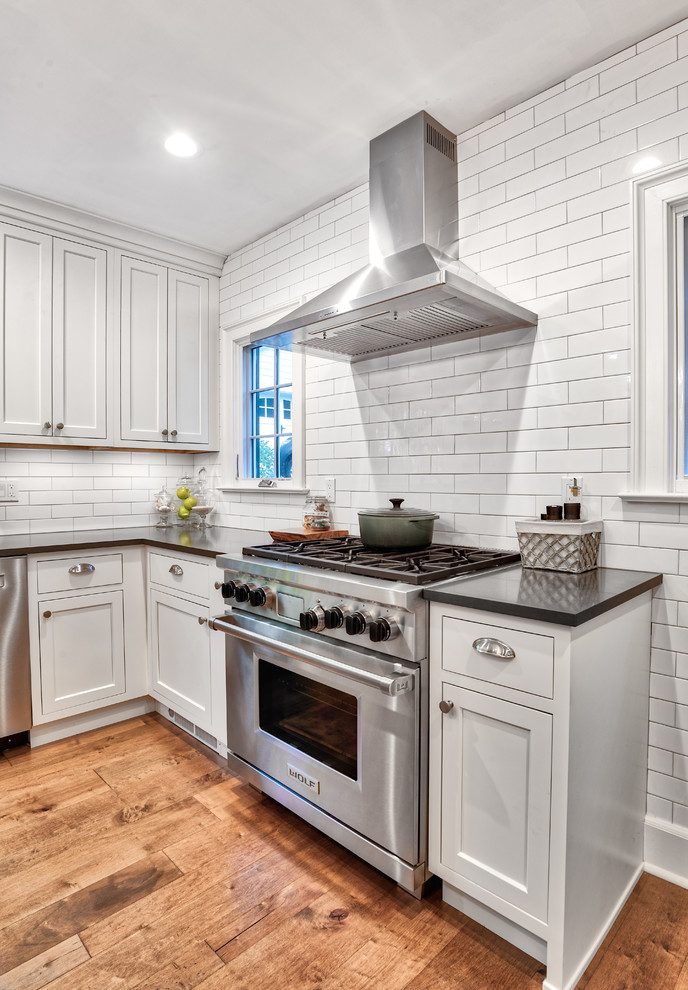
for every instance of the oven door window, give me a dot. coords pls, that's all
(318, 720)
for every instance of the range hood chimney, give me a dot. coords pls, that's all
(414, 292)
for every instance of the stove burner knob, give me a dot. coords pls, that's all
(228, 589)
(257, 597)
(241, 592)
(334, 618)
(313, 620)
(355, 624)
(379, 631)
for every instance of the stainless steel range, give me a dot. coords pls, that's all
(327, 672)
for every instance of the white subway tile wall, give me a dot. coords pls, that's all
(481, 430)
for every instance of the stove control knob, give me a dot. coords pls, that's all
(241, 592)
(355, 624)
(257, 597)
(228, 589)
(334, 618)
(379, 630)
(313, 620)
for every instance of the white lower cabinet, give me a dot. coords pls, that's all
(186, 659)
(72, 675)
(538, 754)
(87, 628)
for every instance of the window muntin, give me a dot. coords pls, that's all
(268, 412)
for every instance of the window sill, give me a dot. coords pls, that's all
(255, 490)
(659, 497)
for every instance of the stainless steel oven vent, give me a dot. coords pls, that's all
(414, 289)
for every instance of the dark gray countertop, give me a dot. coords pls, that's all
(550, 596)
(209, 543)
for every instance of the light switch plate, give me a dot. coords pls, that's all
(330, 490)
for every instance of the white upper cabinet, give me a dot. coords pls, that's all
(165, 336)
(54, 327)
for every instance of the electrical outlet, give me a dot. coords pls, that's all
(8, 491)
(572, 488)
(331, 490)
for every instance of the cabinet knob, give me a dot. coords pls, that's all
(60, 426)
(201, 620)
(47, 426)
(218, 585)
(46, 615)
(446, 707)
(164, 432)
(176, 569)
(173, 433)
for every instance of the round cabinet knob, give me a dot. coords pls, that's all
(47, 426)
(379, 631)
(201, 620)
(218, 585)
(334, 618)
(228, 589)
(164, 432)
(241, 592)
(355, 624)
(446, 707)
(173, 433)
(60, 426)
(46, 615)
(257, 597)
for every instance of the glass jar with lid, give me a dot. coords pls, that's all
(316, 513)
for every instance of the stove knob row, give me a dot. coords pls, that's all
(255, 596)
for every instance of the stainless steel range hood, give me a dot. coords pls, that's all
(414, 293)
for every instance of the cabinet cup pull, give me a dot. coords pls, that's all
(82, 569)
(60, 426)
(201, 620)
(176, 569)
(46, 615)
(494, 648)
(446, 707)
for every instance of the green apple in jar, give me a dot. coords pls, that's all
(183, 512)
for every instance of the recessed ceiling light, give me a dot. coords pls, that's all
(181, 145)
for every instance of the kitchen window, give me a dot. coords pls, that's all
(263, 403)
(659, 469)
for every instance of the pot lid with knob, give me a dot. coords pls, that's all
(396, 512)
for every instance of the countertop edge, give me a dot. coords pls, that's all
(556, 616)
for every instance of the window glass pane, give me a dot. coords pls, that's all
(284, 450)
(284, 408)
(263, 457)
(284, 367)
(263, 367)
(263, 413)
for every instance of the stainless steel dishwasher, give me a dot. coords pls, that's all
(15, 676)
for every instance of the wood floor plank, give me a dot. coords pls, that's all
(186, 971)
(658, 932)
(42, 969)
(71, 915)
(57, 792)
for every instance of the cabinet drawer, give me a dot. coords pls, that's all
(76, 573)
(530, 670)
(179, 574)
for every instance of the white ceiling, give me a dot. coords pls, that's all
(283, 95)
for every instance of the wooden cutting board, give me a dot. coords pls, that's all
(307, 534)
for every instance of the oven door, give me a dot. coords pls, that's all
(337, 726)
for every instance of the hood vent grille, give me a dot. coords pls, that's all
(440, 142)
(425, 325)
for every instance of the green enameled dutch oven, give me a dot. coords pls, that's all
(396, 528)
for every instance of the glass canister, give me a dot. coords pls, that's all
(316, 513)
(163, 506)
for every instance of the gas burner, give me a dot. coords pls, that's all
(438, 562)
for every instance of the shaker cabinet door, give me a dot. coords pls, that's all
(81, 641)
(495, 797)
(187, 358)
(79, 341)
(25, 331)
(143, 351)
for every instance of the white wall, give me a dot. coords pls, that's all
(481, 430)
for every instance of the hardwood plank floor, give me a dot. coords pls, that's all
(131, 858)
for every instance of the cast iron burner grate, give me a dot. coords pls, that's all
(438, 562)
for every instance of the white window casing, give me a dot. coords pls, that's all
(234, 340)
(660, 204)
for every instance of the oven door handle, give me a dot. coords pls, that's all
(393, 685)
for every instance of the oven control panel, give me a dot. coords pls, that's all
(386, 629)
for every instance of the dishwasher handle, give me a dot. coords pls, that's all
(391, 685)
